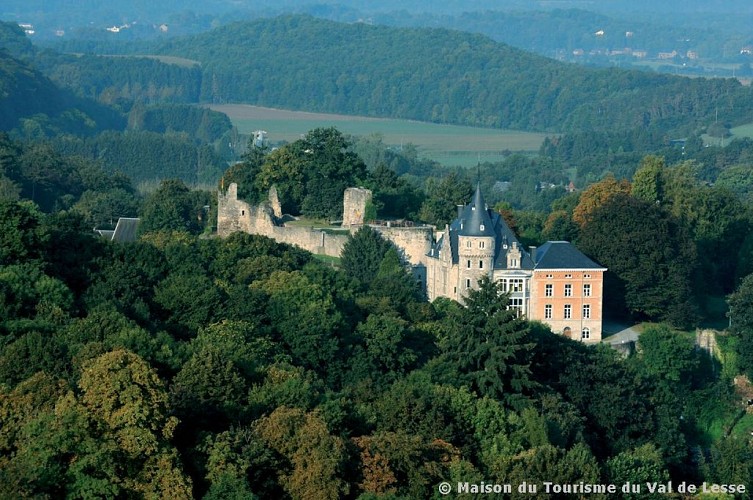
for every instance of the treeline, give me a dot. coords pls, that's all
(437, 75)
(118, 80)
(162, 140)
(442, 76)
(145, 156)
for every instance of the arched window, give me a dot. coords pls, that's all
(585, 334)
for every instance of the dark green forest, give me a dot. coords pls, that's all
(192, 367)
(187, 366)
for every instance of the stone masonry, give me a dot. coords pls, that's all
(234, 215)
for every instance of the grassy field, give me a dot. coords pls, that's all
(743, 131)
(447, 144)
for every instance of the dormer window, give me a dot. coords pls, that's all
(481, 227)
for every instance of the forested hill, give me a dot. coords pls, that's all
(439, 75)
(25, 93)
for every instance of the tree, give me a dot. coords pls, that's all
(304, 318)
(21, 234)
(244, 174)
(741, 323)
(648, 181)
(487, 346)
(597, 195)
(172, 207)
(317, 458)
(363, 254)
(638, 466)
(559, 226)
(443, 197)
(669, 356)
(650, 257)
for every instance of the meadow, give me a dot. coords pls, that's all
(447, 144)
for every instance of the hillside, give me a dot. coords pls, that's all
(438, 75)
(24, 92)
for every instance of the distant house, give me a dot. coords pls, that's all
(126, 230)
(668, 55)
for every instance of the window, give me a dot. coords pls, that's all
(549, 276)
(585, 334)
(468, 264)
(516, 285)
(568, 290)
(587, 290)
(467, 283)
(481, 264)
(516, 304)
(481, 244)
(586, 276)
(548, 311)
(468, 244)
(586, 311)
(548, 290)
(243, 212)
(568, 312)
(568, 276)
(481, 227)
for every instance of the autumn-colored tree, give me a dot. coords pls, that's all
(596, 195)
(317, 458)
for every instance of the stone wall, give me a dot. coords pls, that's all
(237, 215)
(354, 206)
(274, 202)
(415, 242)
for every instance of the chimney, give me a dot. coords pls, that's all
(532, 249)
(460, 211)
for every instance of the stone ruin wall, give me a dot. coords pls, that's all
(237, 215)
(354, 206)
(415, 242)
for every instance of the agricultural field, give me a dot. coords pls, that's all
(447, 144)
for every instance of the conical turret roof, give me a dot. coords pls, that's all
(476, 220)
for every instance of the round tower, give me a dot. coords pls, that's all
(475, 243)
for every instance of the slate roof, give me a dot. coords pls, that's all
(126, 230)
(474, 216)
(562, 255)
(470, 219)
